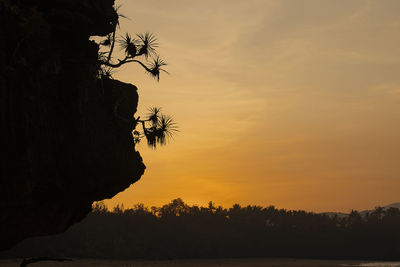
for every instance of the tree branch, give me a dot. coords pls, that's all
(144, 128)
(124, 61)
(112, 47)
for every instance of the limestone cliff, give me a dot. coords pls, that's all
(63, 143)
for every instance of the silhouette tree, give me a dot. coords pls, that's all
(179, 230)
(157, 128)
(160, 128)
(140, 49)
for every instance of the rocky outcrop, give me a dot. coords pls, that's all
(66, 136)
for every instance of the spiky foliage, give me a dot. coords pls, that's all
(108, 41)
(137, 136)
(167, 128)
(143, 45)
(156, 67)
(151, 137)
(161, 128)
(148, 44)
(117, 8)
(128, 45)
(106, 72)
(153, 115)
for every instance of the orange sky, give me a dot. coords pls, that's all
(287, 103)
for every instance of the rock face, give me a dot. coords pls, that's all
(66, 136)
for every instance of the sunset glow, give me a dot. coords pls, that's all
(288, 103)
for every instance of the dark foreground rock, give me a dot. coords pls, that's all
(65, 136)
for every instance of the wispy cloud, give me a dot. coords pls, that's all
(285, 99)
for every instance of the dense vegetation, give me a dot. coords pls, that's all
(177, 230)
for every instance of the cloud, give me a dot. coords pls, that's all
(285, 99)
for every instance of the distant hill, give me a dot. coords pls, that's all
(363, 212)
(393, 205)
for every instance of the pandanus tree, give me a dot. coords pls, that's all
(157, 128)
(140, 49)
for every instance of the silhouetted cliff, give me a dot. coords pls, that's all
(63, 142)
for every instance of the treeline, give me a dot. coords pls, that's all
(177, 230)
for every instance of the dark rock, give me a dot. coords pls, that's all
(66, 136)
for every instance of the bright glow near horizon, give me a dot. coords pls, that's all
(287, 103)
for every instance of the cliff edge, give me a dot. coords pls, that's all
(63, 144)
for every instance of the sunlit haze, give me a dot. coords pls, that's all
(288, 103)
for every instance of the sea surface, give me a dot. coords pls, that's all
(204, 263)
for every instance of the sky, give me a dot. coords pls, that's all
(288, 103)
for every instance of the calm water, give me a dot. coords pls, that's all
(205, 263)
(381, 264)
